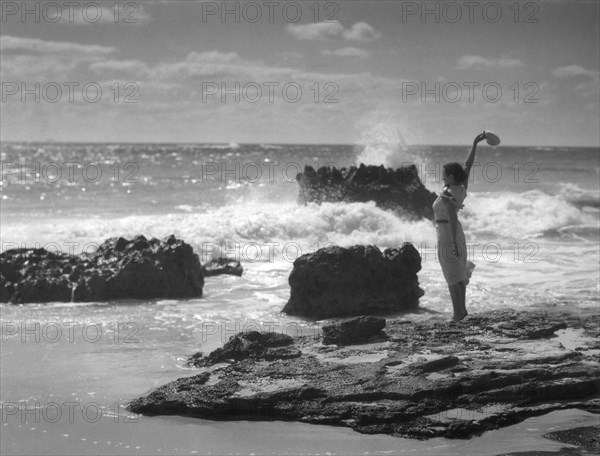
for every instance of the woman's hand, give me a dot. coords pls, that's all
(480, 137)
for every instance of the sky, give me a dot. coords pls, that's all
(301, 72)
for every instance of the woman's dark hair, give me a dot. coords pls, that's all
(456, 170)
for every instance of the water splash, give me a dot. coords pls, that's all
(384, 142)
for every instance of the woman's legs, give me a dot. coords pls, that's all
(456, 295)
(454, 266)
(458, 292)
(463, 299)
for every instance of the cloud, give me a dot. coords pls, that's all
(30, 59)
(480, 62)
(172, 91)
(362, 32)
(226, 66)
(31, 45)
(577, 84)
(230, 70)
(359, 32)
(213, 57)
(347, 52)
(128, 67)
(291, 56)
(210, 64)
(571, 71)
(316, 31)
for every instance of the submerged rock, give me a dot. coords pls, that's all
(360, 280)
(118, 269)
(425, 380)
(399, 190)
(222, 266)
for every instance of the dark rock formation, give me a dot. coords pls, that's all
(399, 190)
(4, 291)
(353, 331)
(220, 266)
(431, 379)
(250, 345)
(119, 269)
(36, 275)
(338, 282)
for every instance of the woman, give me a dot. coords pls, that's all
(451, 244)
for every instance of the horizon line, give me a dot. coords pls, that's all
(466, 144)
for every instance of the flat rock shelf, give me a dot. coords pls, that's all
(416, 380)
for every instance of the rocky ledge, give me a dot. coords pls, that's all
(417, 380)
(118, 269)
(399, 190)
(338, 282)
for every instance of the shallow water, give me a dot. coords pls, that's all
(177, 435)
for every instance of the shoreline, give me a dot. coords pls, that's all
(182, 435)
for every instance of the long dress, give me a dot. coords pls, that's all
(455, 269)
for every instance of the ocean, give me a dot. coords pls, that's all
(531, 219)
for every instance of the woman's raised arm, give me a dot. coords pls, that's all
(471, 157)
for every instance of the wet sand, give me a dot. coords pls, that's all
(179, 436)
